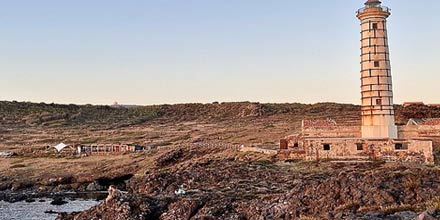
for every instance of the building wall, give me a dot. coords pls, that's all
(411, 150)
(412, 131)
(333, 131)
(384, 149)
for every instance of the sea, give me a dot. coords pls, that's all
(39, 209)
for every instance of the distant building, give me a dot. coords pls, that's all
(108, 149)
(424, 121)
(407, 104)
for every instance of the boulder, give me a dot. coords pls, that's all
(424, 216)
(94, 187)
(58, 201)
(113, 193)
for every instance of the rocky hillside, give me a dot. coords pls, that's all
(55, 115)
(219, 184)
(179, 181)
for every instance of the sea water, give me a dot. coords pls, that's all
(36, 210)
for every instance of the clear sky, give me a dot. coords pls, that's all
(178, 51)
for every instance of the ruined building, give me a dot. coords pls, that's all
(377, 137)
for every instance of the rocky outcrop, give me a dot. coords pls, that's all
(237, 188)
(119, 206)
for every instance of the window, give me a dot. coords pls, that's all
(401, 146)
(359, 147)
(376, 64)
(296, 145)
(326, 146)
(378, 101)
(374, 26)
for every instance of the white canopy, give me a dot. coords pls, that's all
(60, 147)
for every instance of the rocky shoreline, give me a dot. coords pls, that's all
(243, 186)
(215, 183)
(119, 206)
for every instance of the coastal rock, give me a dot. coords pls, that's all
(94, 187)
(113, 193)
(424, 216)
(58, 201)
(118, 206)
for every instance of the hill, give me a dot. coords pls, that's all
(219, 182)
(40, 124)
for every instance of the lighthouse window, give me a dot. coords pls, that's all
(374, 26)
(376, 63)
(378, 101)
(326, 147)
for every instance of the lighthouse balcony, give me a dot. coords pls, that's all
(374, 8)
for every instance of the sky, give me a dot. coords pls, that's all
(179, 51)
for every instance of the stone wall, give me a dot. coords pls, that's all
(419, 151)
(421, 131)
(258, 150)
(414, 144)
(414, 131)
(333, 132)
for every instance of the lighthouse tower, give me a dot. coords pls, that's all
(376, 88)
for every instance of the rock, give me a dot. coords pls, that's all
(58, 201)
(169, 158)
(406, 215)
(338, 215)
(5, 185)
(182, 209)
(94, 187)
(121, 207)
(179, 192)
(66, 216)
(29, 200)
(6, 154)
(55, 181)
(424, 216)
(113, 193)
(21, 185)
(224, 188)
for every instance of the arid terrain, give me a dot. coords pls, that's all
(194, 173)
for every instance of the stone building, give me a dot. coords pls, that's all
(377, 137)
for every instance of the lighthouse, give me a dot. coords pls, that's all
(376, 82)
(378, 138)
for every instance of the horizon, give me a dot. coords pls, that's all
(205, 103)
(152, 53)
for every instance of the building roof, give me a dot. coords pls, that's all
(405, 104)
(432, 121)
(60, 146)
(424, 121)
(373, 2)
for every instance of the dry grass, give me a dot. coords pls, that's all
(433, 204)
(401, 208)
